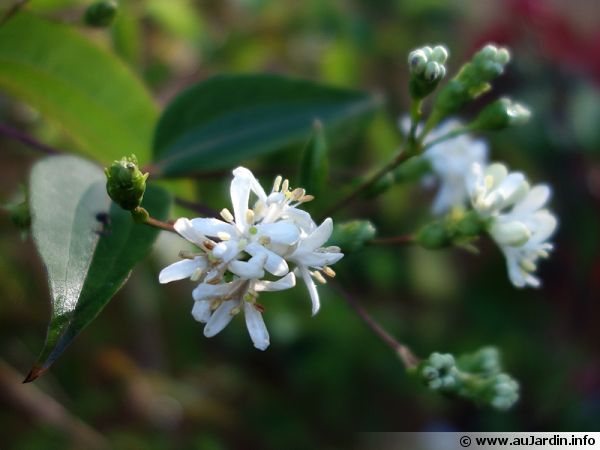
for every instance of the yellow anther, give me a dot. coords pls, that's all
(285, 186)
(235, 310)
(223, 235)
(298, 193)
(318, 277)
(249, 216)
(226, 215)
(307, 198)
(329, 271)
(277, 183)
(264, 240)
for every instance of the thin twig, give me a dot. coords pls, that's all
(15, 8)
(404, 239)
(27, 140)
(405, 354)
(160, 224)
(399, 159)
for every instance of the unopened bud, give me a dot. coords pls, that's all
(426, 67)
(101, 14)
(501, 114)
(125, 183)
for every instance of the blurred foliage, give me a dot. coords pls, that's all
(143, 376)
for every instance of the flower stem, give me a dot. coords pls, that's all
(404, 239)
(151, 221)
(27, 140)
(415, 117)
(398, 159)
(404, 353)
(450, 135)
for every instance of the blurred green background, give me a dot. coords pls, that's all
(143, 375)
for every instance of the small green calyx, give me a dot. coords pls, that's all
(101, 14)
(125, 183)
(459, 227)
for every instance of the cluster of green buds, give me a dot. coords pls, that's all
(477, 376)
(126, 184)
(471, 81)
(459, 227)
(426, 65)
(101, 14)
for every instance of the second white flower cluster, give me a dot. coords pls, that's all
(255, 249)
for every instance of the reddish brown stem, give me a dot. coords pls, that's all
(403, 352)
(160, 224)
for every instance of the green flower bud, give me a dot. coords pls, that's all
(125, 183)
(352, 236)
(439, 54)
(427, 69)
(502, 113)
(434, 235)
(471, 81)
(101, 14)
(417, 60)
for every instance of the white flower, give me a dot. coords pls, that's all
(450, 160)
(311, 253)
(236, 252)
(518, 220)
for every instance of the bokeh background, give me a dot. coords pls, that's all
(143, 375)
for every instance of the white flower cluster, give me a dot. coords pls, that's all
(237, 254)
(518, 219)
(450, 161)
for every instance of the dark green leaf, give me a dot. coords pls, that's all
(228, 119)
(315, 164)
(88, 245)
(88, 91)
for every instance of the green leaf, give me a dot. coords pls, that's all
(88, 244)
(229, 119)
(315, 165)
(353, 235)
(94, 97)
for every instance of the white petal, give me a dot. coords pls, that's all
(282, 232)
(185, 228)
(302, 219)
(253, 268)
(205, 291)
(511, 233)
(312, 290)
(181, 269)
(498, 172)
(226, 250)
(212, 227)
(256, 327)
(316, 259)
(287, 282)
(243, 181)
(535, 199)
(220, 318)
(275, 264)
(318, 237)
(544, 225)
(513, 188)
(201, 311)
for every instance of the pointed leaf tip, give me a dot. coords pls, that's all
(34, 374)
